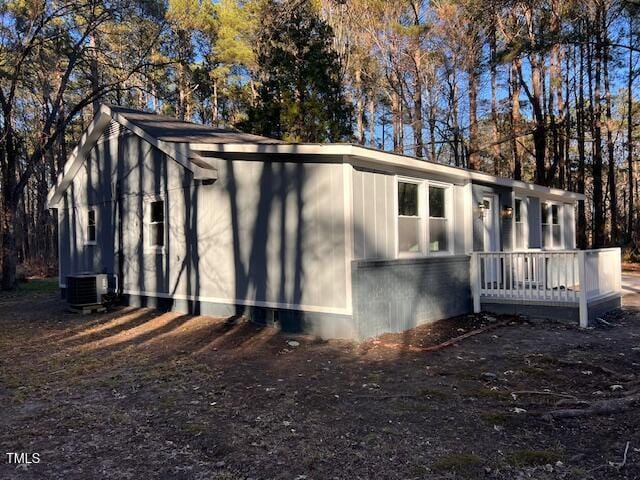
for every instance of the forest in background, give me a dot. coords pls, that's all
(541, 91)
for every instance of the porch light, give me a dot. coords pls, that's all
(507, 212)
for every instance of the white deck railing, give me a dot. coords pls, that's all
(546, 276)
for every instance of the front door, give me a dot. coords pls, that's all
(492, 267)
(490, 222)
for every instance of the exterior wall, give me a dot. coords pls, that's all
(533, 219)
(323, 325)
(393, 296)
(375, 211)
(265, 234)
(569, 219)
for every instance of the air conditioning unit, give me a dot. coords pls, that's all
(86, 289)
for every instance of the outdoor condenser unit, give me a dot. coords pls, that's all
(86, 289)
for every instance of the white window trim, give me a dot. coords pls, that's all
(148, 247)
(423, 207)
(87, 241)
(550, 220)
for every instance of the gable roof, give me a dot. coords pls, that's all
(169, 129)
(169, 135)
(192, 145)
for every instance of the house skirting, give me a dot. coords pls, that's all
(396, 295)
(321, 324)
(560, 311)
(387, 296)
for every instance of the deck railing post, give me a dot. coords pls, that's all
(475, 281)
(582, 278)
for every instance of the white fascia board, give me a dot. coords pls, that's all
(180, 152)
(388, 159)
(76, 159)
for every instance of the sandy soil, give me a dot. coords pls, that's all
(143, 394)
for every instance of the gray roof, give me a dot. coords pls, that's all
(169, 129)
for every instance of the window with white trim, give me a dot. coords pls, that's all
(556, 232)
(409, 217)
(91, 227)
(424, 217)
(519, 217)
(156, 223)
(438, 221)
(551, 226)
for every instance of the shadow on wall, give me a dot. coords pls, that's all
(274, 188)
(279, 211)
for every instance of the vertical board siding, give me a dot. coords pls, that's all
(374, 216)
(272, 233)
(533, 212)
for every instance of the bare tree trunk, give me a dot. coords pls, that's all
(95, 74)
(9, 210)
(613, 201)
(359, 106)
(474, 156)
(540, 131)
(215, 115)
(396, 113)
(580, 127)
(372, 120)
(598, 205)
(630, 73)
(516, 146)
(494, 100)
(417, 104)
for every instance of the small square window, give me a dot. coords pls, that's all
(91, 226)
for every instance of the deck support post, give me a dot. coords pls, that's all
(475, 281)
(584, 305)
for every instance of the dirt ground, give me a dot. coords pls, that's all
(141, 394)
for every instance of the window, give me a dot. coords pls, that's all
(546, 229)
(555, 226)
(423, 218)
(438, 226)
(408, 217)
(156, 224)
(519, 215)
(91, 227)
(551, 228)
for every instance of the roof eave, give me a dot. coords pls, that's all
(180, 152)
(389, 159)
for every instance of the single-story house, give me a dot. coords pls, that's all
(338, 240)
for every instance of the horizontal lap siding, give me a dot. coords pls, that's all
(393, 296)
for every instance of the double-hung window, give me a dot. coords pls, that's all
(91, 227)
(520, 218)
(551, 228)
(424, 217)
(409, 221)
(438, 221)
(156, 229)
